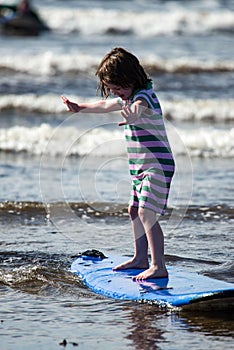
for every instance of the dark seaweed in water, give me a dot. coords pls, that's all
(93, 253)
(40, 212)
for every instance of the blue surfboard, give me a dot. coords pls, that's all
(181, 289)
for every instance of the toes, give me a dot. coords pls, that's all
(150, 274)
(138, 277)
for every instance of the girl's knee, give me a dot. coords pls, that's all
(147, 216)
(142, 214)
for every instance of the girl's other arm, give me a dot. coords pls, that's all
(101, 106)
(133, 112)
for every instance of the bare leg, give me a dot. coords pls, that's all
(155, 239)
(140, 259)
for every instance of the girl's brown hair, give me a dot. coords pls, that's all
(120, 67)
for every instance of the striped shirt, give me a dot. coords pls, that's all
(151, 161)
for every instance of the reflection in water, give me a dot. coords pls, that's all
(148, 286)
(149, 325)
(144, 332)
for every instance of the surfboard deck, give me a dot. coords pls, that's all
(182, 288)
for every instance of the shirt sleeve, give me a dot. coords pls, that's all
(120, 101)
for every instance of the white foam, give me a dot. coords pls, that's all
(186, 65)
(208, 142)
(66, 141)
(99, 142)
(199, 110)
(48, 63)
(187, 109)
(93, 21)
(51, 63)
(49, 103)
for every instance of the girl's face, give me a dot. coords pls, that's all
(118, 90)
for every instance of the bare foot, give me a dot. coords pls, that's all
(132, 264)
(152, 272)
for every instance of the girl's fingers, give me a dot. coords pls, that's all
(126, 109)
(125, 113)
(65, 99)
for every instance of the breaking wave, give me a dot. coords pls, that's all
(166, 21)
(219, 110)
(50, 63)
(70, 141)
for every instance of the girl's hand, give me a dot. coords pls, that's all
(73, 107)
(129, 115)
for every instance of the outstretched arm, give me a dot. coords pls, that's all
(101, 106)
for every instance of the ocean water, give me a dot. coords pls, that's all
(64, 177)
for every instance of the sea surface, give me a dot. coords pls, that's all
(64, 177)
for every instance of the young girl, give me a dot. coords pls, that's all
(151, 162)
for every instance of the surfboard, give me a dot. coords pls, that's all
(180, 289)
